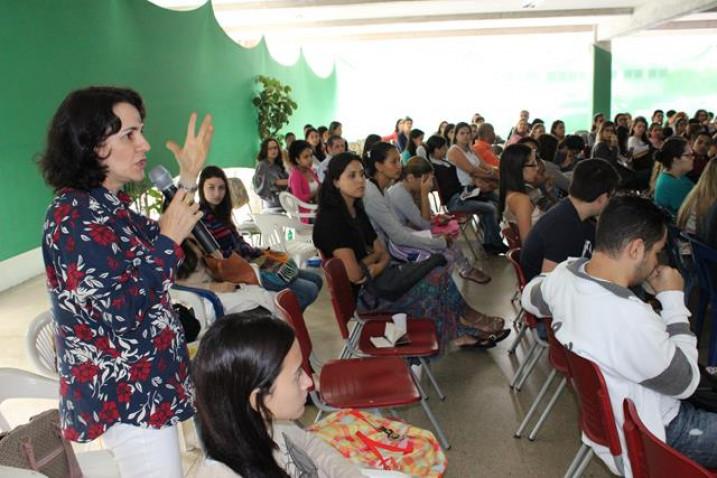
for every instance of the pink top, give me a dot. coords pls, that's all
(300, 187)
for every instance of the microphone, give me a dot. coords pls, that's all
(163, 181)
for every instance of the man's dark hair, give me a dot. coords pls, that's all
(670, 113)
(591, 178)
(333, 139)
(84, 120)
(626, 218)
(573, 142)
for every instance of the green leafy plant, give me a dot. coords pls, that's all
(146, 199)
(274, 106)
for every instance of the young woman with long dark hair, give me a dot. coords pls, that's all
(216, 203)
(250, 387)
(518, 168)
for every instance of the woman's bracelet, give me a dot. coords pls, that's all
(190, 189)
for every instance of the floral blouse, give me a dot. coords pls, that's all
(121, 349)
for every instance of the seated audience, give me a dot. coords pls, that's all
(537, 130)
(474, 174)
(700, 142)
(270, 177)
(557, 129)
(518, 167)
(549, 182)
(672, 184)
(335, 145)
(250, 388)
(657, 137)
(276, 274)
(235, 297)
(313, 138)
(367, 145)
(483, 146)
(694, 214)
(303, 182)
(647, 357)
(521, 129)
(335, 129)
(548, 147)
(658, 116)
(598, 119)
(416, 183)
(569, 152)
(415, 140)
(343, 230)
(449, 134)
(568, 229)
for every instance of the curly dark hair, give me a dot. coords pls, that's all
(84, 120)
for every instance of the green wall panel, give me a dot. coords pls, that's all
(179, 61)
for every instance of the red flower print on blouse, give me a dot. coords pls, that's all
(164, 339)
(139, 371)
(103, 345)
(70, 434)
(74, 276)
(62, 211)
(109, 412)
(102, 235)
(124, 392)
(94, 430)
(51, 276)
(112, 263)
(85, 372)
(161, 415)
(83, 332)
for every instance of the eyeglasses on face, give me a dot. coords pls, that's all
(530, 165)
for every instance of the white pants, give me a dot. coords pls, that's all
(145, 452)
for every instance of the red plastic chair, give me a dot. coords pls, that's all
(559, 361)
(421, 332)
(597, 421)
(511, 234)
(363, 383)
(526, 322)
(650, 457)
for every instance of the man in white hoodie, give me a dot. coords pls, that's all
(648, 357)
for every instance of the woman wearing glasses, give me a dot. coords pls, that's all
(518, 168)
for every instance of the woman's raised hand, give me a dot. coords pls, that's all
(193, 154)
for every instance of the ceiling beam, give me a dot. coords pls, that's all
(651, 14)
(418, 34)
(461, 17)
(688, 25)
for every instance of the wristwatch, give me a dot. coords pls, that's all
(190, 189)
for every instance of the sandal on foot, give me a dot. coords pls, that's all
(480, 343)
(475, 275)
(483, 322)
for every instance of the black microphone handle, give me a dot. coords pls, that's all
(201, 233)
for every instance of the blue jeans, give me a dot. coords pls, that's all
(486, 207)
(306, 286)
(693, 432)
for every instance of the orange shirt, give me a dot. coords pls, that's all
(485, 152)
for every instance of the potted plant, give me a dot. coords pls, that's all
(274, 106)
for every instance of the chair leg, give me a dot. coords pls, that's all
(533, 348)
(432, 378)
(536, 402)
(570, 473)
(439, 431)
(522, 328)
(548, 409)
(584, 463)
(530, 368)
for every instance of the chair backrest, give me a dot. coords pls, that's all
(705, 259)
(293, 206)
(512, 236)
(596, 418)
(447, 182)
(192, 297)
(40, 344)
(273, 229)
(18, 383)
(288, 308)
(239, 194)
(649, 456)
(342, 295)
(556, 352)
(513, 257)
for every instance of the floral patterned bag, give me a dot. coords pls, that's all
(377, 442)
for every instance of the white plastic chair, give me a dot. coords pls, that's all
(18, 383)
(291, 205)
(274, 228)
(40, 344)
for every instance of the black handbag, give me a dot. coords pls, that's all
(705, 396)
(398, 278)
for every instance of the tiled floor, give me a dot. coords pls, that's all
(479, 415)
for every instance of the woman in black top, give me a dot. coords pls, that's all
(343, 230)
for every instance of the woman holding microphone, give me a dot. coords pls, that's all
(122, 356)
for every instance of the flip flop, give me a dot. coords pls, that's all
(485, 343)
(469, 276)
